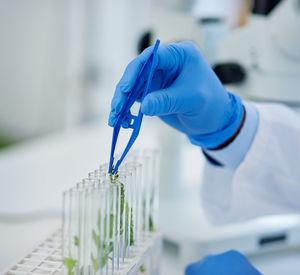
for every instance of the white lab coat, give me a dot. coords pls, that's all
(268, 179)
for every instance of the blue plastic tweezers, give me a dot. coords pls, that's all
(136, 121)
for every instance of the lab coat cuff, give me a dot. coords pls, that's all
(233, 154)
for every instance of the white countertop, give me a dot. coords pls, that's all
(34, 174)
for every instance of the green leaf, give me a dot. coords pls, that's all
(105, 258)
(70, 265)
(110, 247)
(131, 228)
(111, 225)
(113, 178)
(142, 269)
(96, 262)
(76, 241)
(101, 244)
(131, 240)
(122, 196)
(96, 238)
(151, 227)
(98, 219)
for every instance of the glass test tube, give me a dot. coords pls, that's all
(110, 224)
(118, 231)
(126, 211)
(88, 223)
(84, 189)
(133, 168)
(104, 168)
(154, 187)
(139, 202)
(66, 228)
(103, 257)
(70, 230)
(97, 201)
(106, 218)
(81, 190)
(132, 163)
(145, 182)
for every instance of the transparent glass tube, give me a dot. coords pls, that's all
(98, 198)
(149, 159)
(113, 208)
(81, 217)
(153, 187)
(126, 226)
(107, 218)
(103, 257)
(66, 228)
(88, 230)
(95, 230)
(85, 183)
(117, 207)
(139, 203)
(104, 168)
(133, 169)
(70, 230)
(144, 192)
(146, 187)
(85, 188)
(123, 198)
(92, 175)
(107, 230)
(129, 214)
(119, 216)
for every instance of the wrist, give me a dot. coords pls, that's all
(227, 132)
(232, 138)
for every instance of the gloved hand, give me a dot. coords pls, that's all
(228, 263)
(185, 93)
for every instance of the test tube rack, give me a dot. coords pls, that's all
(109, 224)
(46, 258)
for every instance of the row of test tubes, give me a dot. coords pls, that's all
(108, 218)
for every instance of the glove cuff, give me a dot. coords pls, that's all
(215, 139)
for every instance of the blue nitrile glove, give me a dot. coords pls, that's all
(185, 93)
(228, 263)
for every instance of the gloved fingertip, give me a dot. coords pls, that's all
(132, 70)
(110, 123)
(111, 119)
(157, 103)
(189, 270)
(147, 107)
(124, 87)
(125, 125)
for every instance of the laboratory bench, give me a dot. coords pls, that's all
(19, 238)
(35, 173)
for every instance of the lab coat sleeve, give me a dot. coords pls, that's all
(267, 180)
(232, 155)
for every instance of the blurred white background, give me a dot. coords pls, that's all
(60, 61)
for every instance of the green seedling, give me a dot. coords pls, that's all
(70, 265)
(69, 262)
(142, 269)
(106, 246)
(76, 241)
